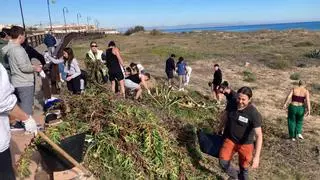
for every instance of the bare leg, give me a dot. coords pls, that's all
(122, 90)
(113, 86)
(139, 92)
(180, 81)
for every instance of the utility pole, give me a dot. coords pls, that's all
(78, 17)
(88, 19)
(65, 10)
(48, 3)
(24, 26)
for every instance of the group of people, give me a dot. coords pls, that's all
(181, 68)
(240, 121)
(131, 79)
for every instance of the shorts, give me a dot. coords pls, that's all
(25, 98)
(169, 74)
(229, 148)
(6, 169)
(130, 84)
(116, 76)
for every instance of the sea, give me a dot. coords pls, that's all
(312, 26)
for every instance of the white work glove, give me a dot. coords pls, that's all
(42, 74)
(31, 125)
(149, 92)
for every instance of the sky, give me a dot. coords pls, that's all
(156, 13)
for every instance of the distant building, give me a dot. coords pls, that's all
(110, 31)
(71, 28)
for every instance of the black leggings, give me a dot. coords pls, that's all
(6, 169)
(74, 85)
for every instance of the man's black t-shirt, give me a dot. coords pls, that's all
(241, 123)
(170, 66)
(217, 77)
(231, 101)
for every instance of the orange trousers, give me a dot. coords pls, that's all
(245, 152)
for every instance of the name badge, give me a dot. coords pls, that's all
(243, 119)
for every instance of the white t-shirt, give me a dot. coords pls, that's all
(140, 67)
(7, 101)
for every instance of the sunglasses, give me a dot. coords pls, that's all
(94, 46)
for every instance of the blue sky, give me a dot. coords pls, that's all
(126, 13)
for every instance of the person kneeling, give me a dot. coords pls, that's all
(135, 82)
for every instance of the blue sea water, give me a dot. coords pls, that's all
(313, 26)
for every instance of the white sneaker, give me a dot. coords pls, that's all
(293, 139)
(300, 136)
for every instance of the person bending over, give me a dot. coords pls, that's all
(135, 82)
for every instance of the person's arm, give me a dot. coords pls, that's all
(288, 99)
(77, 69)
(54, 60)
(258, 145)
(116, 52)
(18, 113)
(173, 65)
(308, 104)
(144, 84)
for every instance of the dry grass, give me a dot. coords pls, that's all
(273, 57)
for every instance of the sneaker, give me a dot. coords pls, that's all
(300, 136)
(293, 139)
(18, 126)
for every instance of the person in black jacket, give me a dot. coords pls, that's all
(217, 79)
(170, 68)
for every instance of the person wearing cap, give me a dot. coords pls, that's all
(50, 41)
(217, 79)
(170, 68)
(299, 96)
(243, 135)
(9, 107)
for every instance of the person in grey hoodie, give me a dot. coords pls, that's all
(21, 69)
(8, 108)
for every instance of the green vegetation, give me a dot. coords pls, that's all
(249, 76)
(130, 141)
(295, 76)
(280, 63)
(134, 30)
(155, 32)
(166, 50)
(313, 54)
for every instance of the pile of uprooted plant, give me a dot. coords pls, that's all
(153, 138)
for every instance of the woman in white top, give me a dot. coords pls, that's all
(71, 68)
